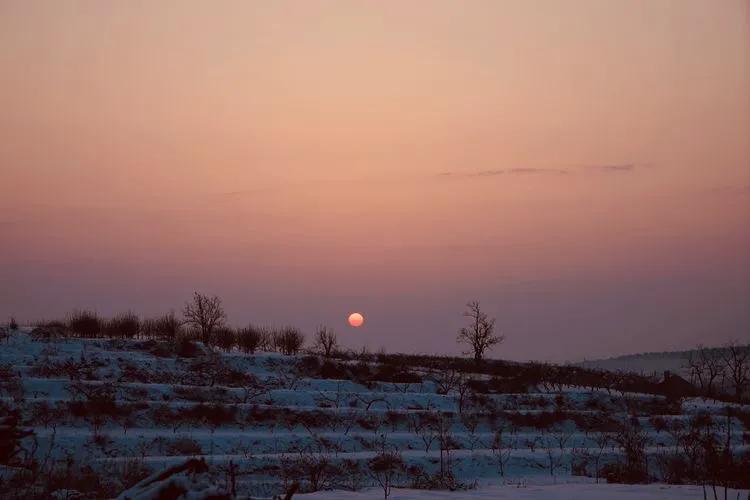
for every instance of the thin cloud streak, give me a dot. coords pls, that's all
(620, 167)
(603, 168)
(506, 171)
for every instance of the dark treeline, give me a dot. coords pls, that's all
(712, 371)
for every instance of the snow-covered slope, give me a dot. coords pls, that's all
(106, 414)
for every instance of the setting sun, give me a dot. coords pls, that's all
(356, 319)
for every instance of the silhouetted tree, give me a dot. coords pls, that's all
(479, 335)
(226, 337)
(705, 367)
(166, 327)
(250, 339)
(85, 324)
(204, 313)
(737, 359)
(325, 341)
(124, 326)
(289, 340)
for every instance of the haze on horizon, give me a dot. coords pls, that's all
(582, 167)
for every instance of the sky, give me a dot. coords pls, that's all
(581, 167)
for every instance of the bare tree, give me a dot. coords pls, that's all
(204, 313)
(423, 424)
(737, 359)
(316, 469)
(471, 421)
(283, 376)
(705, 367)
(554, 444)
(602, 440)
(446, 380)
(632, 439)
(502, 446)
(325, 341)
(385, 468)
(479, 335)
(447, 443)
(252, 388)
(463, 391)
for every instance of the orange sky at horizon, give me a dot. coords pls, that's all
(582, 167)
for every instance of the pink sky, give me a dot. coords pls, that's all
(581, 167)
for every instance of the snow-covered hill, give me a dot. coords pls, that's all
(96, 416)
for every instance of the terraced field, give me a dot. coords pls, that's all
(105, 414)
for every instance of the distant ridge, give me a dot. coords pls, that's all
(646, 363)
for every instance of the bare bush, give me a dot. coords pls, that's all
(502, 446)
(446, 380)
(183, 447)
(289, 340)
(283, 376)
(85, 324)
(10, 382)
(602, 440)
(13, 453)
(316, 470)
(250, 339)
(385, 468)
(124, 326)
(225, 338)
(554, 444)
(632, 440)
(424, 424)
(212, 369)
(166, 327)
(252, 389)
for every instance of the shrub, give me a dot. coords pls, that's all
(186, 347)
(673, 467)
(289, 340)
(45, 330)
(266, 339)
(213, 415)
(184, 446)
(10, 382)
(133, 471)
(225, 338)
(125, 326)
(249, 339)
(395, 374)
(331, 370)
(658, 423)
(632, 440)
(85, 324)
(12, 451)
(317, 471)
(385, 468)
(166, 327)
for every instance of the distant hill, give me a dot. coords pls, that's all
(646, 363)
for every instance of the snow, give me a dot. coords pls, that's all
(576, 491)
(268, 428)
